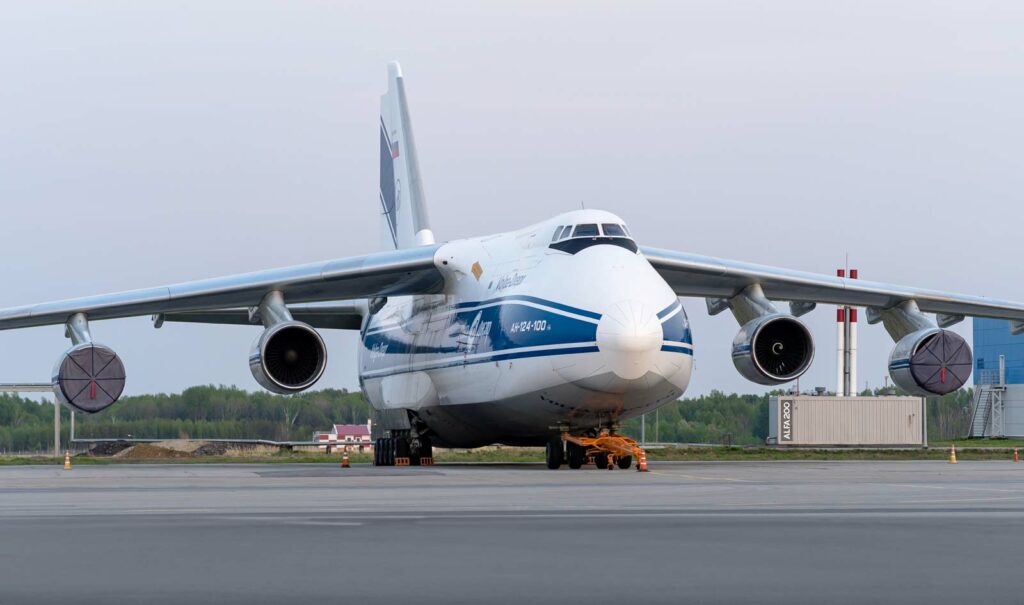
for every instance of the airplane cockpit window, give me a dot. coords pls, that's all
(591, 234)
(558, 234)
(586, 229)
(613, 230)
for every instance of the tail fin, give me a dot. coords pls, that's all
(401, 189)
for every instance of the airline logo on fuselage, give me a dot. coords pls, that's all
(510, 281)
(378, 351)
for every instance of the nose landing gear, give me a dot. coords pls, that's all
(604, 451)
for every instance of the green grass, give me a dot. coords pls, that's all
(969, 443)
(282, 458)
(761, 453)
(966, 450)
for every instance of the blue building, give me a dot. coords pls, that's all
(992, 338)
(998, 409)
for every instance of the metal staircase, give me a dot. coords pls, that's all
(987, 407)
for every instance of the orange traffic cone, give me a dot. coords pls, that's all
(1016, 456)
(344, 459)
(952, 454)
(641, 466)
(67, 460)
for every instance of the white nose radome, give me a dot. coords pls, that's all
(629, 337)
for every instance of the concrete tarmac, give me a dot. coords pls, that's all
(697, 532)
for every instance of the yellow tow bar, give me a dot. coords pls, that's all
(611, 445)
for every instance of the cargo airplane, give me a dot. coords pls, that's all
(552, 334)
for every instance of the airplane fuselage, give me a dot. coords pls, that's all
(532, 333)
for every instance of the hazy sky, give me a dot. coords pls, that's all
(156, 142)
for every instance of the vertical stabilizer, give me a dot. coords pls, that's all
(403, 204)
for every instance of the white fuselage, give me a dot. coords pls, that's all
(530, 338)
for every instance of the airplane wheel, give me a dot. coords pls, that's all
(389, 451)
(576, 455)
(426, 447)
(376, 452)
(555, 454)
(402, 447)
(625, 462)
(601, 461)
(415, 453)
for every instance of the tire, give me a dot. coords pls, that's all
(575, 455)
(415, 453)
(625, 462)
(376, 452)
(555, 454)
(601, 461)
(402, 448)
(389, 451)
(426, 448)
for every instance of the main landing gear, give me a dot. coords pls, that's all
(403, 450)
(605, 451)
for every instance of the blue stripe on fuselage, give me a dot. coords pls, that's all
(505, 325)
(509, 327)
(677, 327)
(449, 362)
(534, 300)
(668, 309)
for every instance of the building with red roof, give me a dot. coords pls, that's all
(354, 437)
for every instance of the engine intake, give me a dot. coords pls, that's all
(932, 361)
(288, 357)
(89, 377)
(772, 349)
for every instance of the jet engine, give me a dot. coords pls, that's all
(288, 357)
(773, 349)
(89, 377)
(931, 361)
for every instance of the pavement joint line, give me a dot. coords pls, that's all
(688, 476)
(951, 487)
(952, 500)
(470, 515)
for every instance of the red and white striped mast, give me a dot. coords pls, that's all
(846, 345)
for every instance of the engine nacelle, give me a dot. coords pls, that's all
(931, 361)
(773, 349)
(288, 357)
(89, 377)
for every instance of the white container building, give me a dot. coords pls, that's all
(847, 421)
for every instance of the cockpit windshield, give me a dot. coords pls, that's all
(613, 230)
(573, 238)
(586, 229)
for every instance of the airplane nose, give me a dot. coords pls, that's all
(629, 336)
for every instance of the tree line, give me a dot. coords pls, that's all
(208, 412)
(203, 412)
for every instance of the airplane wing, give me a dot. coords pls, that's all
(393, 273)
(340, 315)
(709, 277)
